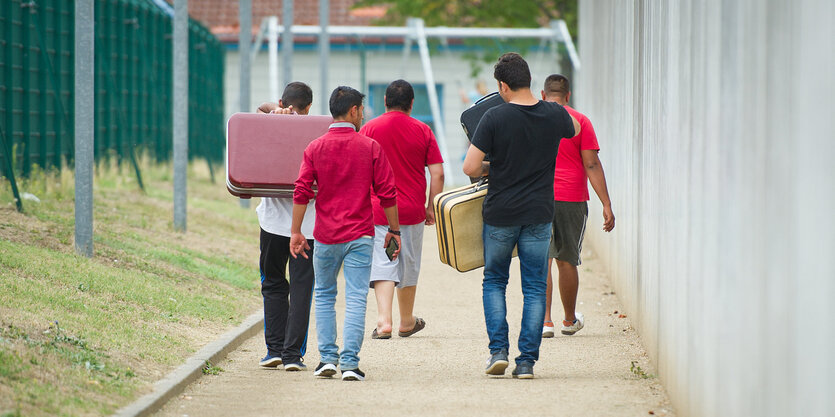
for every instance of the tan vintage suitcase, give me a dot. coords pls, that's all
(458, 222)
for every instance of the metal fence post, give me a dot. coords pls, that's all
(9, 169)
(324, 52)
(244, 38)
(272, 40)
(84, 125)
(287, 43)
(180, 111)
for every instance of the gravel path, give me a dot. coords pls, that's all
(439, 371)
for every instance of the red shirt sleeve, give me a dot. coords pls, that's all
(383, 181)
(588, 139)
(307, 174)
(433, 154)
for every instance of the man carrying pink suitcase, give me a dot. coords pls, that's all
(285, 323)
(345, 165)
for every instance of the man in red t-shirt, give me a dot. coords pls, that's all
(576, 160)
(409, 146)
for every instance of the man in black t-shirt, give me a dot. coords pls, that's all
(522, 137)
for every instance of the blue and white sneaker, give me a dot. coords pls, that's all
(497, 363)
(295, 366)
(270, 361)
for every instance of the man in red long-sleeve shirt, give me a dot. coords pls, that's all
(345, 165)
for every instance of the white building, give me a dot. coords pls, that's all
(452, 71)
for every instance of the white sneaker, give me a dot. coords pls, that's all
(574, 328)
(548, 331)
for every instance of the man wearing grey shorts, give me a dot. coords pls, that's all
(410, 148)
(577, 161)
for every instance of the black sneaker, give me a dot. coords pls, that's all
(497, 363)
(325, 370)
(523, 370)
(353, 375)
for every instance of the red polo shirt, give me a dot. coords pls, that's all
(344, 164)
(409, 146)
(570, 180)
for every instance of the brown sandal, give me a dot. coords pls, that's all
(419, 325)
(375, 335)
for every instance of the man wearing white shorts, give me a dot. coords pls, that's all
(409, 146)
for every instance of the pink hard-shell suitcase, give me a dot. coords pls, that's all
(264, 151)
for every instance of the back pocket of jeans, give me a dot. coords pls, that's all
(501, 235)
(541, 231)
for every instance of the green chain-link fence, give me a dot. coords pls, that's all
(132, 85)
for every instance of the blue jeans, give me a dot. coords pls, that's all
(532, 241)
(327, 260)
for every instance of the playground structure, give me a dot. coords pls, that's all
(414, 33)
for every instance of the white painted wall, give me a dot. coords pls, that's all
(715, 120)
(451, 69)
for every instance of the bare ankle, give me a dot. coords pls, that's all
(410, 324)
(383, 327)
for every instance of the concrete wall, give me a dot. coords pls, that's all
(451, 70)
(715, 120)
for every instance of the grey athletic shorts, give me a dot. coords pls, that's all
(569, 226)
(405, 269)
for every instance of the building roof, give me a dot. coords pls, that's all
(221, 16)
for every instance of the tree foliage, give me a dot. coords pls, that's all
(483, 13)
(480, 13)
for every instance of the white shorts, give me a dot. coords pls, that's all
(405, 269)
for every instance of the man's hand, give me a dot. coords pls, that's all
(267, 107)
(389, 237)
(608, 219)
(298, 245)
(274, 108)
(430, 215)
(436, 186)
(281, 110)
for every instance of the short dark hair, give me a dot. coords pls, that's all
(512, 70)
(557, 85)
(297, 94)
(399, 95)
(343, 98)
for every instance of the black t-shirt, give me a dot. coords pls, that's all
(522, 142)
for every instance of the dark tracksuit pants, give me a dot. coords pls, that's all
(285, 323)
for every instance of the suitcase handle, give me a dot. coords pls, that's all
(482, 183)
(486, 97)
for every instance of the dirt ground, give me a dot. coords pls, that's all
(440, 371)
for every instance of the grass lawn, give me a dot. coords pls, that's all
(85, 336)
